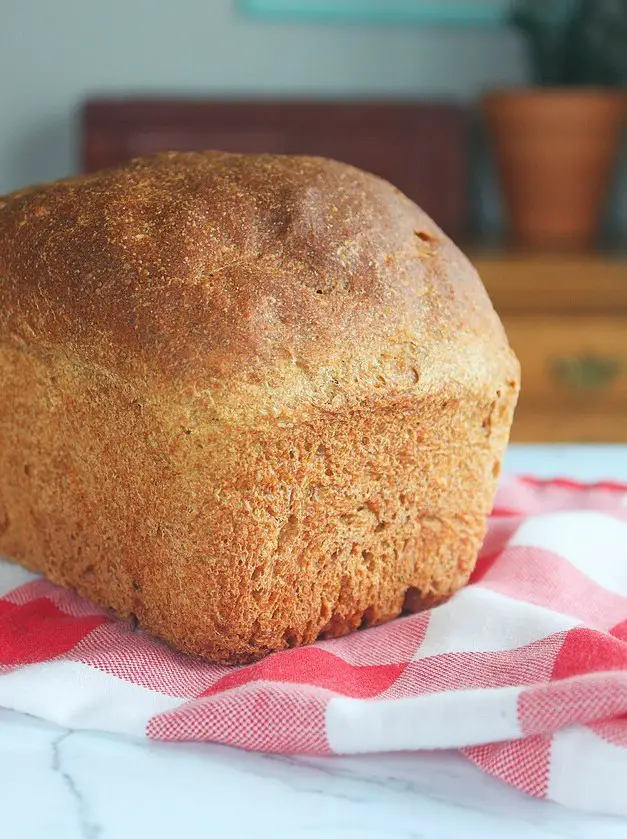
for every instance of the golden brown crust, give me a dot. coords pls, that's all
(248, 400)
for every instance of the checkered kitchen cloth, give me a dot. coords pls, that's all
(524, 671)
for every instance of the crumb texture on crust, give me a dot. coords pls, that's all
(246, 400)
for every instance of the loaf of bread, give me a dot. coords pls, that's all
(245, 401)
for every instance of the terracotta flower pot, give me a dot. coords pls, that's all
(555, 151)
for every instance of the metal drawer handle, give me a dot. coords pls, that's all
(585, 372)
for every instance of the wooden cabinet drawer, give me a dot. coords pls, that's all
(566, 317)
(570, 360)
(574, 377)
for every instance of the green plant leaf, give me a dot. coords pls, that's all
(574, 42)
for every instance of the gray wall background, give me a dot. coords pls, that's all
(55, 53)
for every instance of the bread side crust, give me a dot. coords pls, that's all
(232, 541)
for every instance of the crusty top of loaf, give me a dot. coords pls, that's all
(255, 270)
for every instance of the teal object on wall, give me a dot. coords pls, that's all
(434, 12)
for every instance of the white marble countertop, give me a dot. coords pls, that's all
(60, 784)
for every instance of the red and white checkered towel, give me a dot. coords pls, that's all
(524, 671)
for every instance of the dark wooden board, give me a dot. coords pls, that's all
(420, 147)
